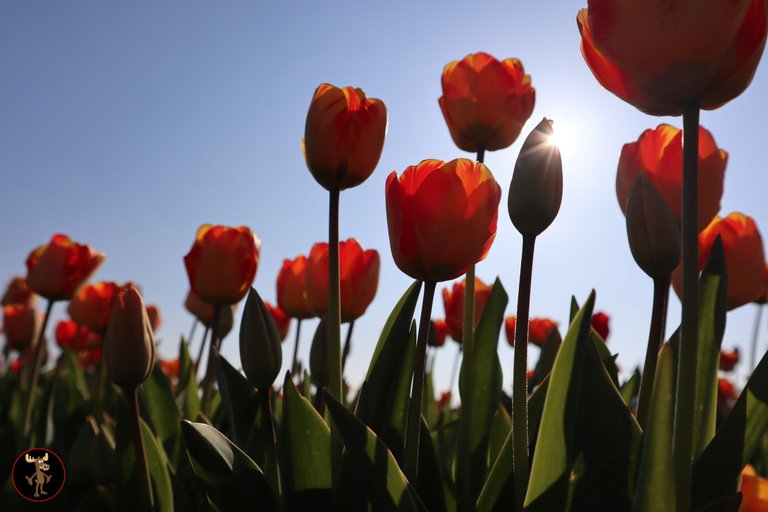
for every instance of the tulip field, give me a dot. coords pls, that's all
(94, 415)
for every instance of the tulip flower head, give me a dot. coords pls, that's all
(744, 257)
(155, 318)
(358, 276)
(281, 319)
(658, 155)
(659, 58)
(17, 292)
(343, 136)
(754, 491)
(92, 305)
(600, 323)
(510, 323)
(222, 263)
(292, 288)
(728, 360)
(485, 102)
(454, 306)
(539, 330)
(21, 326)
(441, 217)
(438, 332)
(73, 336)
(55, 270)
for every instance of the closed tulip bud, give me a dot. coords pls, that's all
(17, 292)
(226, 321)
(537, 183)
(92, 305)
(129, 346)
(343, 136)
(55, 270)
(654, 237)
(260, 351)
(318, 356)
(21, 325)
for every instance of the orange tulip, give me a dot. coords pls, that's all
(539, 329)
(17, 292)
(744, 257)
(129, 346)
(55, 270)
(438, 331)
(72, 336)
(282, 320)
(92, 305)
(754, 490)
(509, 328)
(441, 217)
(658, 154)
(21, 325)
(659, 58)
(728, 360)
(155, 318)
(486, 102)
(292, 288)
(454, 306)
(170, 367)
(222, 263)
(343, 136)
(358, 276)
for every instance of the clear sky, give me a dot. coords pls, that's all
(126, 125)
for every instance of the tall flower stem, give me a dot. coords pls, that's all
(519, 375)
(36, 372)
(296, 348)
(413, 426)
(269, 439)
(347, 346)
(132, 396)
(455, 370)
(192, 330)
(214, 347)
(755, 332)
(334, 320)
(689, 328)
(655, 339)
(202, 348)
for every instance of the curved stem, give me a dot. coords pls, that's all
(689, 327)
(132, 396)
(36, 373)
(214, 347)
(413, 426)
(655, 339)
(269, 439)
(202, 349)
(755, 332)
(335, 386)
(347, 347)
(520, 377)
(296, 348)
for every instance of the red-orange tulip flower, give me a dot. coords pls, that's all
(729, 359)
(658, 154)
(21, 326)
(509, 328)
(358, 276)
(764, 298)
(600, 323)
(17, 292)
(55, 270)
(454, 306)
(343, 136)
(92, 305)
(292, 288)
(282, 320)
(72, 336)
(539, 329)
(155, 318)
(438, 332)
(222, 263)
(726, 393)
(744, 257)
(658, 56)
(754, 491)
(486, 102)
(441, 217)
(170, 367)
(90, 358)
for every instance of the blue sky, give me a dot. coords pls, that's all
(127, 125)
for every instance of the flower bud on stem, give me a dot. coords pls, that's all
(132, 397)
(655, 339)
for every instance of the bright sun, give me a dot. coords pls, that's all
(563, 137)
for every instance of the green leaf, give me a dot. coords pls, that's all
(186, 366)
(430, 477)
(656, 482)
(158, 471)
(586, 451)
(242, 398)
(716, 472)
(712, 311)
(160, 407)
(631, 387)
(232, 479)
(305, 453)
(500, 430)
(379, 476)
(546, 357)
(480, 389)
(190, 399)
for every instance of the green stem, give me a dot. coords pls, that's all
(192, 330)
(269, 438)
(208, 379)
(347, 346)
(755, 332)
(138, 444)
(202, 349)
(468, 322)
(334, 322)
(686, 373)
(455, 370)
(520, 375)
(296, 348)
(655, 339)
(36, 373)
(413, 427)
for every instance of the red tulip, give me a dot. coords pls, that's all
(444, 403)
(92, 305)
(155, 318)
(509, 328)
(729, 359)
(441, 217)
(454, 306)
(660, 56)
(539, 329)
(75, 337)
(486, 102)
(744, 257)
(600, 324)
(21, 325)
(170, 367)
(90, 358)
(55, 270)
(292, 288)
(754, 491)
(344, 136)
(359, 278)
(17, 292)
(222, 263)
(658, 154)
(438, 331)
(726, 393)
(282, 320)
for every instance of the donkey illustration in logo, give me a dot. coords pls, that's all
(39, 477)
